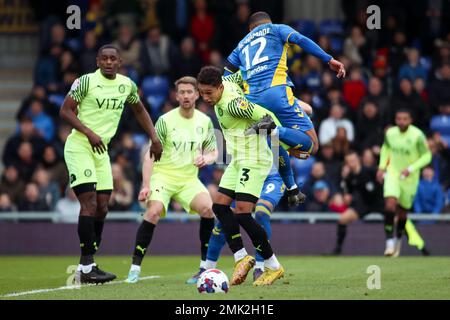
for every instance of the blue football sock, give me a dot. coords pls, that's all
(216, 243)
(285, 168)
(295, 138)
(262, 216)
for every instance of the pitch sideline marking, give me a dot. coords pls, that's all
(23, 293)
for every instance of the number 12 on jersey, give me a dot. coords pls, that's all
(257, 59)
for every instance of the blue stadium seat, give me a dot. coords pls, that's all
(156, 102)
(331, 27)
(132, 74)
(155, 86)
(305, 27)
(336, 43)
(426, 63)
(56, 99)
(441, 124)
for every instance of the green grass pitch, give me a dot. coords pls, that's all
(306, 278)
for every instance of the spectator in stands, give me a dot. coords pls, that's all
(369, 126)
(310, 76)
(368, 159)
(188, 63)
(438, 90)
(429, 197)
(340, 143)
(239, 25)
(216, 59)
(12, 184)
(397, 52)
(46, 70)
(26, 163)
(42, 122)
(376, 94)
(27, 133)
(321, 197)
(63, 132)
(355, 47)
(122, 195)
(31, 200)
(440, 160)
(412, 70)
(129, 47)
(328, 128)
(331, 162)
(407, 98)
(157, 53)
(55, 167)
(337, 203)
(89, 54)
(354, 89)
(48, 190)
(5, 203)
(318, 173)
(67, 208)
(38, 93)
(202, 29)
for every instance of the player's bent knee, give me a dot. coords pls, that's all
(206, 212)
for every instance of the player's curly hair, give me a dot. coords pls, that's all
(210, 75)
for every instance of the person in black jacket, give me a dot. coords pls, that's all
(362, 193)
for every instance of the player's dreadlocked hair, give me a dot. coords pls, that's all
(258, 17)
(210, 75)
(108, 46)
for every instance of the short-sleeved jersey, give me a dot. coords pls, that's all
(262, 57)
(236, 114)
(183, 139)
(403, 150)
(101, 102)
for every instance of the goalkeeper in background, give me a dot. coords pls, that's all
(403, 153)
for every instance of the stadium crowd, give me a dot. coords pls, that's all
(406, 64)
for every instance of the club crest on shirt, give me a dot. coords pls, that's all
(121, 88)
(243, 104)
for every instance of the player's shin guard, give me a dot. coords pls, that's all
(262, 217)
(256, 234)
(230, 226)
(86, 234)
(206, 227)
(143, 237)
(285, 168)
(98, 229)
(389, 224)
(401, 227)
(216, 243)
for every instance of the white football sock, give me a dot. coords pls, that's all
(293, 187)
(135, 267)
(203, 264)
(272, 263)
(259, 265)
(88, 268)
(238, 255)
(209, 264)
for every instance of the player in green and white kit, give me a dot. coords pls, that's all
(189, 143)
(403, 154)
(244, 177)
(93, 107)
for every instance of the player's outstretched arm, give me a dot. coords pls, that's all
(68, 113)
(292, 36)
(146, 123)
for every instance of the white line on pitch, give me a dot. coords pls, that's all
(24, 293)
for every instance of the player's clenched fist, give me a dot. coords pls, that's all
(143, 194)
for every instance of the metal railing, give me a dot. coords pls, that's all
(310, 217)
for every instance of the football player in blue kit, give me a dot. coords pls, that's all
(261, 58)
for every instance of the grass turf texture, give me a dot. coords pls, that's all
(305, 278)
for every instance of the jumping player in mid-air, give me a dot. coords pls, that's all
(262, 59)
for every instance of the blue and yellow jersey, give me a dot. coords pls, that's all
(262, 55)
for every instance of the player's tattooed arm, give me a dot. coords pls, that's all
(68, 112)
(146, 123)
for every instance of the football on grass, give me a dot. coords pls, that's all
(213, 281)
